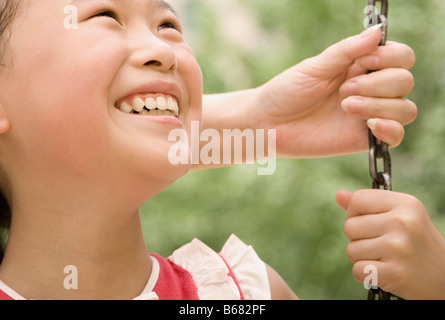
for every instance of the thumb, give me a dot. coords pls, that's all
(340, 56)
(343, 199)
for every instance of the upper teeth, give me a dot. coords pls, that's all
(155, 106)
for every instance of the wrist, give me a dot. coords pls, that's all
(235, 110)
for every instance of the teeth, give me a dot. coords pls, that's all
(169, 113)
(159, 106)
(150, 104)
(173, 105)
(155, 112)
(125, 107)
(138, 104)
(162, 103)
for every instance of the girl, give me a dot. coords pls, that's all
(85, 116)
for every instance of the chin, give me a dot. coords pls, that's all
(157, 181)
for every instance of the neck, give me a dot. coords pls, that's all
(107, 251)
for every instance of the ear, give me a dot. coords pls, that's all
(4, 122)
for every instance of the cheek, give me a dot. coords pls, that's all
(57, 126)
(62, 139)
(194, 83)
(65, 97)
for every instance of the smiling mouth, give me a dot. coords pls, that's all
(160, 104)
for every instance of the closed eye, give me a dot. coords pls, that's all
(170, 25)
(106, 13)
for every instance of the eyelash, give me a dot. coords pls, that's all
(106, 13)
(112, 15)
(169, 25)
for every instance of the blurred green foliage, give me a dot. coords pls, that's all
(291, 218)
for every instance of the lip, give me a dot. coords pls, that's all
(155, 87)
(159, 119)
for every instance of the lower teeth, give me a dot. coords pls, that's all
(154, 112)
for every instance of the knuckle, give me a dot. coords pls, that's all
(393, 246)
(412, 201)
(349, 229)
(358, 272)
(406, 221)
(411, 57)
(416, 204)
(396, 134)
(412, 111)
(362, 269)
(406, 80)
(350, 252)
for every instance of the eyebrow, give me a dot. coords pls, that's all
(165, 5)
(161, 3)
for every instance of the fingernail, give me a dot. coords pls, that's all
(352, 105)
(370, 31)
(372, 124)
(345, 106)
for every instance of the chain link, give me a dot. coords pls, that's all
(379, 150)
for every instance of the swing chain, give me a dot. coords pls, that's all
(379, 150)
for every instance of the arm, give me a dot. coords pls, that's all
(331, 93)
(278, 287)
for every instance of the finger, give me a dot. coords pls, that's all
(393, 55)
(389, 131)
(343, 54)
(364, 202)
(369, 249)
(354, 71)
(401, 110)
(365, 227)
(383, 275)
(343, 198)
(369, 271)
(386, 83)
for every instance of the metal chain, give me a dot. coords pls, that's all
(379, 150)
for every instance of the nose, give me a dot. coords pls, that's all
(149, 50)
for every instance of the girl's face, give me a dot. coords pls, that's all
(75, 70)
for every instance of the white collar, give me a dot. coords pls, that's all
(146, 294)
(6, 289)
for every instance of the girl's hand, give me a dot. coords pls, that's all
(321, 106)
(393, 232)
